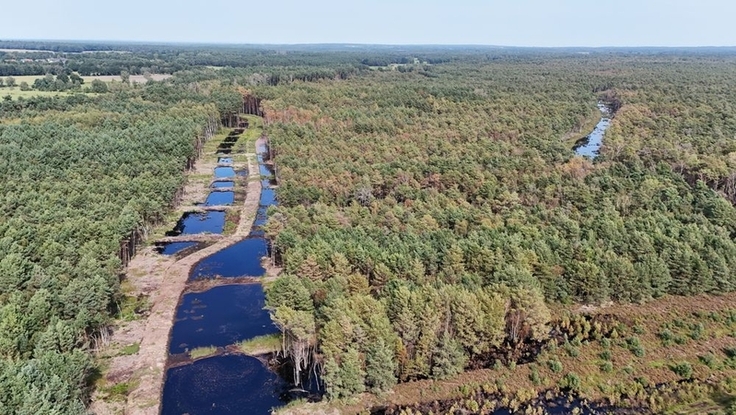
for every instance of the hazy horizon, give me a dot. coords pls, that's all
(367, 45)
(530, 23)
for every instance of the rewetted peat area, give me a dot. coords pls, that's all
(216, 317)
(222, 184)
(220, 198)
(172, 248)
(590, 145)
(224, 171)
(223, 385)
(199, 222)
(242, 259)
(224, 315)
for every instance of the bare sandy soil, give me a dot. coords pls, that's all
(163, 279)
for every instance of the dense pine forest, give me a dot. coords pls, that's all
(429, 217)
(81, 176)
(433, 217)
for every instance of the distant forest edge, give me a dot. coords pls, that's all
(432, 216)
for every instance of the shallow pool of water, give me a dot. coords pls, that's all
(223, 385)
(172, 248)
(230, 384)
(238, 260)
(219, 317)
(225, 160)
(199, 222)
(221, 172)
(223, 184)
(220, 199)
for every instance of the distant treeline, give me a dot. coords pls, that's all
(100, 58)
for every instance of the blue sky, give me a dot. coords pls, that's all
(489, 22)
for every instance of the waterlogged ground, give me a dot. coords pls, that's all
(220, 199)
(219, 317)
(222, 172)
(239, 260)
(223, 184)
(222, 316)
(174, 247)
(590, 146)
(199, 222)
(223, 385)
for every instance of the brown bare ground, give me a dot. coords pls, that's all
(163, 280)
(272, 271)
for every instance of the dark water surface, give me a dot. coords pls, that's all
(199, 222)
(172, 248)
(238, 260)
(223, 385)
(220, 199)
(219, 317)
(225, 315)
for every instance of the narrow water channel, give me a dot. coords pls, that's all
(242, 259)
(590, 145)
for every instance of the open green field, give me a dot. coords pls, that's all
(88, 79)
(26, 78)
(30, 79)
(16, 93)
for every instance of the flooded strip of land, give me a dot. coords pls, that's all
(590, 145)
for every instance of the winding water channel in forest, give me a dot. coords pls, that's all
(590, 145)
(228, 383)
